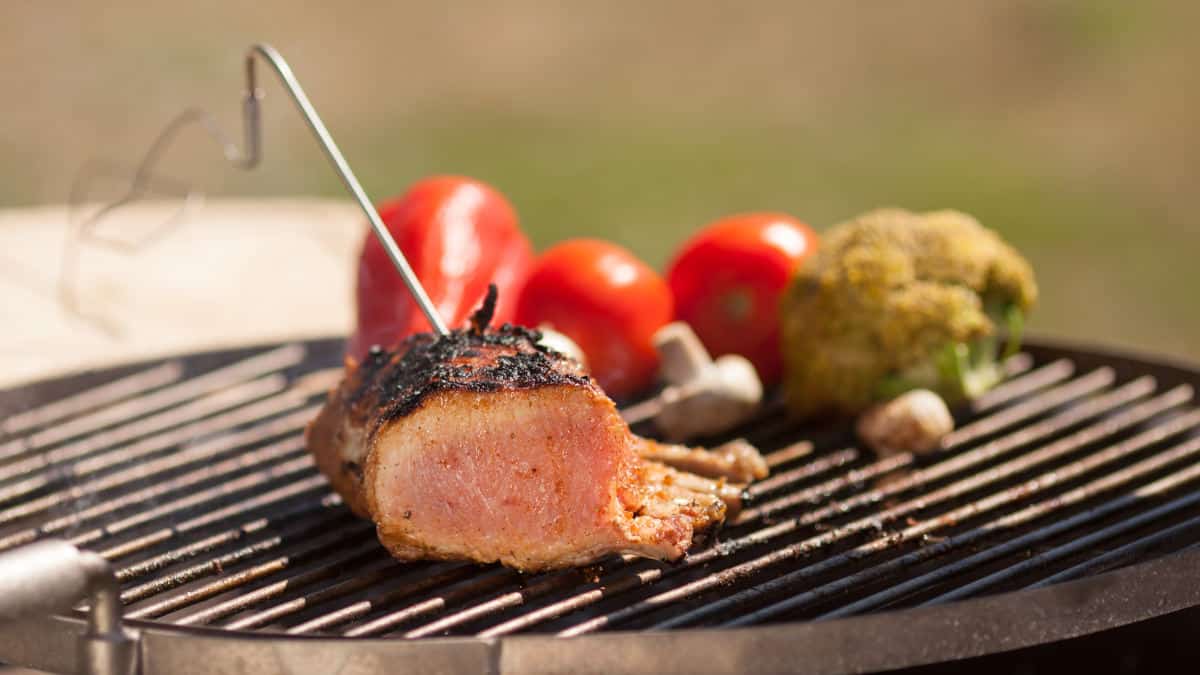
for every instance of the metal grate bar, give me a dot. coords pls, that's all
(141, 471)
(446, 573)
(1070, 444)
(221, 444)
(326, 570)
(619, 583)
(263, 456)
(320, 541)
(242, 396)
(1050, 374)
(212, 542)
(1124, 554)
(108, 439)
(261, 364)
(1001, 446)
(789, 453)
(175, 556)
(363, 578)
(447, 596)
(803, 472)
(914, 532)
(294, 469)
(1026, 515)
(260, 501)
(196, 571)
(997, 448)
(825, 490)
(1088, 384)
(1023, 542)
(1057, 553)
(184, 435)
(288, 490)
(105, 394)
(546, 584)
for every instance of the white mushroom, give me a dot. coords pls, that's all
(915, 421)
(702, 396)
(561, 344)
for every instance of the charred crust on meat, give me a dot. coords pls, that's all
(396, 383)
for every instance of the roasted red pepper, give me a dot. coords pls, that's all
(459, 235)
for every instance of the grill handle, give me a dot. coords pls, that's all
(53, 576)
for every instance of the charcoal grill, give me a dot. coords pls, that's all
(1066, 506)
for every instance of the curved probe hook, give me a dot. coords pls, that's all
(242, 159)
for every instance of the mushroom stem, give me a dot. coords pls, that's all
(702, 396)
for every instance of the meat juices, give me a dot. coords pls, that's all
(485, 446)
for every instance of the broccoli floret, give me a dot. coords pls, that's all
(895, 300)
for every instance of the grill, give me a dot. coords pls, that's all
(1074, 483)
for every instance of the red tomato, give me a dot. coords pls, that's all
(727, 280)
(459, 235)
(608, 302)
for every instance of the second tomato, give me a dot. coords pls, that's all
(608, 302)
(727, 280)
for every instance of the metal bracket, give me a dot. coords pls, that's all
(53, 576)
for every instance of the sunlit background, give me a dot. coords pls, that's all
(1071, 127)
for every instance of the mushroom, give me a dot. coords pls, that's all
(561, 344)
(702, 396)
(915, 421)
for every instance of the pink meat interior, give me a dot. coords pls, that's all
(497, 474)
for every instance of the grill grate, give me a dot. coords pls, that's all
(191, 477)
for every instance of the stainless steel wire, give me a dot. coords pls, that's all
(145, 176)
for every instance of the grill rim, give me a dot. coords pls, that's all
(947, 632)
(890, 639)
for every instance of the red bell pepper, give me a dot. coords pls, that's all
(458, 235)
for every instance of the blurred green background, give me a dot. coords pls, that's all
(1071, 127)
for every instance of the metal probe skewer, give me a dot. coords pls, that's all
(245, 158)
(253, 137)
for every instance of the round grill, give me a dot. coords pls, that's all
(190, 475)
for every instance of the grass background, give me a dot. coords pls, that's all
(1071, 127)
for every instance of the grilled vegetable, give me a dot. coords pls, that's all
(701, 396)
(895, 301)
(915, 421)
(727, 280)
(459, 235)
(608, 302)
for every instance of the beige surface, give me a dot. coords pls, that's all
(230, 273)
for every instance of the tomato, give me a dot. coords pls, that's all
(608, 302)
(458, 235)
(727, 280)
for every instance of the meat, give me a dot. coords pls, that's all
(736, 460)
(483, 445)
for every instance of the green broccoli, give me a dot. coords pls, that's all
(895, 300)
